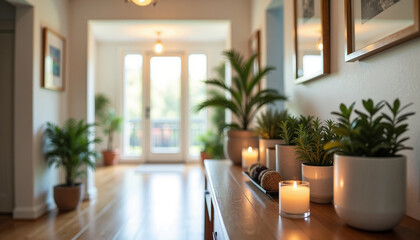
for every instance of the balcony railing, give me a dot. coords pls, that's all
(165, 133)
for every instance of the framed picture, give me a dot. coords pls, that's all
(373, 26)
(312, 39)
(254, 45)
(53, 61)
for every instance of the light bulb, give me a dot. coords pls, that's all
(142, 2)
(250, 149)
(294, 186)
(320, 45)
(158, 47)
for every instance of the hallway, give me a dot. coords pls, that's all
(130, 205)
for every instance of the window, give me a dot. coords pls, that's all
(197, 73)
(132, 97)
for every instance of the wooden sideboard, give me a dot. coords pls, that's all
(236, 209)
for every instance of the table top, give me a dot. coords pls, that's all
(248, 213)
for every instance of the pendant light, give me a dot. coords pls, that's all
(143, 2)
(158, 47)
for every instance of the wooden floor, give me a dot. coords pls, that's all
(129, 206)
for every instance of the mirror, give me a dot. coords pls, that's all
(312, 39)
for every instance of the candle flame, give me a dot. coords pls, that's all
(294, 186)
(250, 149)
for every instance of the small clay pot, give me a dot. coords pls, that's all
(110, 157)
(68, 198)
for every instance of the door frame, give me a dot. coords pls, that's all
(166, 157)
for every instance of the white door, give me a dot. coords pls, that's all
(165, 113)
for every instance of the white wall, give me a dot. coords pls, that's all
(81, 11)
(109, 78)
(34, 106)
(387, 75)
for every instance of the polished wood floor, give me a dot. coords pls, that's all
(129, 206)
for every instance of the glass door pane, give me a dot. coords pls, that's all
(197, 73)
(132, 130)
(165, 104)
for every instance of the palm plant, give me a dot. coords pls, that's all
(69, 147)
(244, 101)
(267, 126)
(109, 121)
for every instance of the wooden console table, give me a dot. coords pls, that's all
(236, 209)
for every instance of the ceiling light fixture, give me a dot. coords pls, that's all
(143, 2)
(158, 47)
(320, 45)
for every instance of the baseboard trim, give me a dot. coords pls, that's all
(32, 212)
(91, 194)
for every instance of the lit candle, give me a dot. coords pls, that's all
(294, 199)
(249, 156)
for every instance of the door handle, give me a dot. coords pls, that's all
(147, 112)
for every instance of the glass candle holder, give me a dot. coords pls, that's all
(249, 157)
(294, 198)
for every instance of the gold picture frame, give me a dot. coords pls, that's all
(53, 68)
(372, 28)
(312, 39)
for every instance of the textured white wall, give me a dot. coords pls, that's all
(387, 75)
(34, 106)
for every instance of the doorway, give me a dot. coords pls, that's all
(158, 93)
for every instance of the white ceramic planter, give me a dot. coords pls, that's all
(286, 163)
(320, 179)
(370, 193)
(235, 140)
(267, 143)
(270, 154)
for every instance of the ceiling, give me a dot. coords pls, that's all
(171, 30)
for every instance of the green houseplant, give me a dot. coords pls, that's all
(212, 141)
(286, 163)
(369, 175)
(69, 147)
(317, 163)
(244, 102)
(268, 129)
(110, 123)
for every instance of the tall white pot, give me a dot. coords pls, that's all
(370, 192)
(267, 143)
(320, 179)
(235, 140)
(287, 164)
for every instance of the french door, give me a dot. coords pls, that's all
(164, 112)
(158, 93)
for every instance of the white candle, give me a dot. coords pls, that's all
(294, 198)
(249, 156)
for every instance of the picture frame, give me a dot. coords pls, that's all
(312, 39)
(53, 67)
(372, 28)
(254, 45)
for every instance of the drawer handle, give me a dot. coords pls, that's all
(214, 235)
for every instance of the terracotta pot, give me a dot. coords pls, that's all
(204, 155)
(287, 164)
(68, 198)
(235, 140)
(110, 157)
(267, 143)
(370, 192)
(320, 179)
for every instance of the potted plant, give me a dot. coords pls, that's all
(286, 163)
(69, 147)
(369, 175)
(243, 103)
(317, 163)
(268, 129)
(110, 123)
